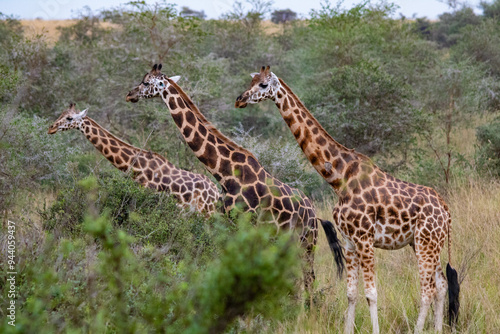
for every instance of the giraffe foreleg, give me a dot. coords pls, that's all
(352, 266)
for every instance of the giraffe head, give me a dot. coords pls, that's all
(70, 118)
(264, 85)
(152, 85)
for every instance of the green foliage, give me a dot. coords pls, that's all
(151, 217)
(361, 66)
(254, 275)
(448, 30)
(286, 161)
(481, 43)
(10, 29)
(9, 81)
(252, 17)
(463, 84)
(29, 158)
(86, 30)
(354, 96)
(490, 9)
(488, 136)
(104, 281)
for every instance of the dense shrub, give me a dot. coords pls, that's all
(151, 217)
(354, 96)
(29, 158)
(286, 161)
(488, 136)
(481, 43)
(448, 30)
(490, 9)
(104, 280)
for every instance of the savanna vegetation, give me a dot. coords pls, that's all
(97, 253)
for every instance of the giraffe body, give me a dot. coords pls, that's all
(193, 191)
(374, 209)
(247, 185)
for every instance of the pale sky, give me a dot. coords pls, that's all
(64, 9)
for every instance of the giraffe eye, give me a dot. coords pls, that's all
(161, 84)
(146, 84)
(263, 85)
(69, 118)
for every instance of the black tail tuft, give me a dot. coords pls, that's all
(335, 246)
(453, 295)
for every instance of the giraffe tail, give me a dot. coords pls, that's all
(453, 286)
(335, 246)
(453, 294)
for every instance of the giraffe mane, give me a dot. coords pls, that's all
(210, 127)
(123, 143)
(316, 123)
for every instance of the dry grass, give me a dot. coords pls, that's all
(475, 253)
(49, 28)
(271, 28)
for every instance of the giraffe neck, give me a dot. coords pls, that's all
(122, 155)
(228, 162)
(336, 163)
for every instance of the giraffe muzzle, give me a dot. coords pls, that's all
(52, 130)
(132, 97)
(239, 103)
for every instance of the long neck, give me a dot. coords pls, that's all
(228, 162)
(336, 163)
(122, 155)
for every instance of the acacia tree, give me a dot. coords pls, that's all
(457, 92)
(283, 16)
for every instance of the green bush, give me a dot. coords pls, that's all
(448, 30)
(108, 281)
(481, 43)
(488, 136)
(30, 159)
(286, 162)
(149, 216)
(366, 108)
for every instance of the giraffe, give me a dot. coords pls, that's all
(194, 192)
(374, 208)
(247, 186)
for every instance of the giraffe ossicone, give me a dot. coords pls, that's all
(374, 209)
(195, 192)
(246, 184)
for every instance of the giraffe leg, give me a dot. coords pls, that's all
(308, 242)
(367, 266)
(352, 266)
(441, 287)
(308, 269)
(427, 256)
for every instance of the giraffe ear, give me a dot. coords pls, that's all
(175, 78)
(253, 74)
(83, 113)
